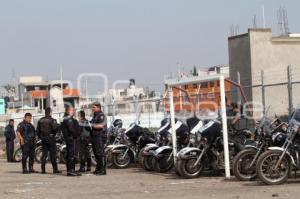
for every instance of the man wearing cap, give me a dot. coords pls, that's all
(98, 138)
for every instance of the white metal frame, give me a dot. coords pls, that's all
(223, 115)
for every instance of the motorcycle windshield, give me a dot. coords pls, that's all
(295, 120)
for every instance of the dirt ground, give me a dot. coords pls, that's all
(131, 183)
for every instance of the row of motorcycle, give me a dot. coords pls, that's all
(270, 152)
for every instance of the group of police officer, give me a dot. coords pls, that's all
(84, 131)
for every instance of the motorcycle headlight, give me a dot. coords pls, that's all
(284, 128)
(198, 138)
(158, 137)
(192, 140)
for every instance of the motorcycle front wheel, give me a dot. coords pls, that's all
(163, 164)
(242, 168)
(147, 163)
(63, 156)
(108, 156)
(38, 154)
(188, 169)
(121, 160)
(93, 158)
(18, 155)
(267, 171)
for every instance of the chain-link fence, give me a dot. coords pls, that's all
(275, 90)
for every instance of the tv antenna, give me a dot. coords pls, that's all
(234, 30)
(283, 22)
(254, 22)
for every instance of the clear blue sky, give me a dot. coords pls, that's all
(124, 38)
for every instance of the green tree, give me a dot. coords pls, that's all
(10, 89)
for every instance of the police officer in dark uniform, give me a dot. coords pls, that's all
(85, 139)
(71, 131)
(98, 138)
(27, 137)
(10, 136)
(46, 130)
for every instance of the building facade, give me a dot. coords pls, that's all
(261, 60)
(37, 93)
(201, 97)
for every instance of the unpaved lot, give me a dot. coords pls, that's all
(132, 183)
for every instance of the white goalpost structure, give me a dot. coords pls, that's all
(196, 80)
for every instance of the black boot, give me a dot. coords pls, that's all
(31, 170)
(56, 172)
(25, 171)
(104, 166)
(55, 169)
(71, 173)
(89, 165)
(43, 167)
(81, 170)
(82, 166)
(101, 167)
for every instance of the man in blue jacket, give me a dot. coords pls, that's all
(27, 137)
(10, 136)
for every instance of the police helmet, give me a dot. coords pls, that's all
(118, 123)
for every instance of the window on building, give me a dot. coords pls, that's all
(212, 84)
(211, 95)
(204, 85)
(186, 87)
(195, 86)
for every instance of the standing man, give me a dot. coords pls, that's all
(10, 136)
(27, 137)
(46, 130)
(98, 138)
(85, 139)
(71, 132)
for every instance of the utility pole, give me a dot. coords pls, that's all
(263, 16)
(86, 92)
(263, 92)
(61, 85)
(290, 89)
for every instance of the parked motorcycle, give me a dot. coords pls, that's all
(162, 139)
(163, 157)
(267, 134)
(191, 161)
(114, 137)
(275, 165)
(18, 153)
(208, 153)
(133, 140)
(39, 150)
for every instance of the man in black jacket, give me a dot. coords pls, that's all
(27, 137)
(85, 139)
(46, 130)
(10, 136)
(98, 138)
(71, 131)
